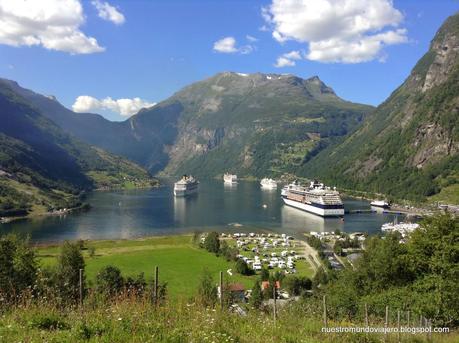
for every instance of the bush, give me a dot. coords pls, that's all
(69, 264)
(91, 251)
(297, 285)
(212, 243)
(242, 268)
(230, 253)
(48, 322)
(207, 292)
(136, 285)
(256, 298)
(109, 281)
(18, 266)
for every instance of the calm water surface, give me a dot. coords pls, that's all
(128, 214)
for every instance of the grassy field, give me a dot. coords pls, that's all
(180, 262)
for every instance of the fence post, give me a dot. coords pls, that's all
(80, 285)
(386, 323)
(325, 312)
(366, 315)
(398, 326)
(221, 289)
(430, 330)
(155, 291)
(274, 299)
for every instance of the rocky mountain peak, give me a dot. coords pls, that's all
(444, 53)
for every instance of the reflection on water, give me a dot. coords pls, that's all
(377, 209)
(295, 218)
(217, 206)
(230, 186)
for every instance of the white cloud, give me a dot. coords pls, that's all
(53, 24)
(125, 107)
(345, 31)
(287, 59)
(251, 38)
(228, 45)
(108, 12)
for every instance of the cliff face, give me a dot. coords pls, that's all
(409, 146)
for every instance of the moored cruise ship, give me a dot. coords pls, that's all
(268, 183)
(315, 198)
(380, 203)
(185, 186)
(229, 178)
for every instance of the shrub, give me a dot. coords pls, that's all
(256, 298)
(207, 292)
(212, 242)
(69, 264)
(109, 281)
(18, 266)
(48, 322)
(242, 268)
(296, 285)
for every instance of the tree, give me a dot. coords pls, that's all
(242, 268)
(297, 285)
(256, 298)
(264, 274)
(109, 281)
(207, 291)
(18, 266)
(230, 253)
(212, 242)
(69, 264)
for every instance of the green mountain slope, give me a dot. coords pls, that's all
(252, 124)
(409, 147)
(44, 168)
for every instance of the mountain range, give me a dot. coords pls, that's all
(254, 125)
(250, 124)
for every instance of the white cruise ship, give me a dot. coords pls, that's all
(316, 198)
(229, 178)
(380, 203)
(185, 186)
(268, 183)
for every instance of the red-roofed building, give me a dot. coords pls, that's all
(265, 285)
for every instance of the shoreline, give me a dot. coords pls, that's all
(83, 207)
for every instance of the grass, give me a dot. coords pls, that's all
(130, 320)
(448, 195)
(180, 262)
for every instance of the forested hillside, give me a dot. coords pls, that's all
(43, 168)
(409, 147)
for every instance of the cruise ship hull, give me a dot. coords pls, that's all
(323, 212)
(183, 193)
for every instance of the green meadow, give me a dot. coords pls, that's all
(180, 262)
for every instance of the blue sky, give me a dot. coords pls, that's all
(153, 48)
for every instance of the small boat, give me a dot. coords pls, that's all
(230, 178)
(268, 183)
(380, 203)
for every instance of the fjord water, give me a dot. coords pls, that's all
(217, 206)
